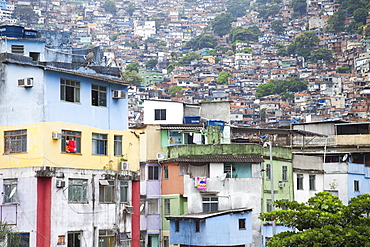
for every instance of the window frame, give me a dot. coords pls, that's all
(71, 135)
(241, 223)
(300, 178)
(197, 225)
(160, 114)
(312, 182)
(284, 173)
(82, 190)
(228, 170)
(356, 185)
(106, 191)
(165, 172)
(98, 95)
(153, 207)
(153, 173)
(65, 90)
(99, 144)
(19, 140)
(118, 145)
(177, 226)
(210, 203)
(9, 185)
(167, 206)
(72, 234)
(268, 172)
(269, 207)
(123, 191)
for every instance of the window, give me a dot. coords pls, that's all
(177, 225)
(77, 190)
(153, 173)
(117, 145)
(71, 141)
(284, 171)
(299, 181)
(18, 49)
(10, 190)
(228, 169)
(268, 171)
(210, 204)
(123, 191)
(98, 95)
(106, 238)
(312, 183)
(167, 206)
(99, 144)
(356, 185)
(70, 90)
(242, 224)
(152, 206)
(268, 205)
(15, 141)
(160, 114)
(106, 191)
(166, 241)
(74, 239)
(19, 239)
(197, 225)
(165, 172)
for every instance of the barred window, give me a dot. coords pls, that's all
(15, 141)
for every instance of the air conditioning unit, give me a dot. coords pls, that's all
(119, 94)
(25, 82)
(128, 209)
(123, 165)
(61, 183)
(281, 185)
(56, 136)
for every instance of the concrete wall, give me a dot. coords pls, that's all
(215, 110)
(174, 112)
(175, 182)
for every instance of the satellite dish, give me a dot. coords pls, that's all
(142, 207)
(89, 57)
(160, 156)
(345, 157)
(13, 192)
(223, 177)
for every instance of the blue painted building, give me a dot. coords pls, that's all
(222, 228)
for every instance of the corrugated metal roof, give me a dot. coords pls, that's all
(182, 126)
(275, 131)
(200, 216)
(220, 159)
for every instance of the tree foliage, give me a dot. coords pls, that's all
(277, 26)
(343, 69)
(303, 44)
(110, 7)
(281, 86)
(299, 6)
(201, 41)
(335, 22)
(174, 89)
(7, 233)
(132, 77)
(360, 15)
(241, 34)
(221, 25)
(223, 77)
(130, 8)
(264, 11)
(134, 66)
(322, 221)
(25, 13)
(151, 63)
(237, 7)
(321, 54)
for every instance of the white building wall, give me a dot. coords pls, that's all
(174, 112)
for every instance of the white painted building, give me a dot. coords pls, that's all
(163, 112)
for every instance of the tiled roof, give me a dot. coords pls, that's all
(220, 158)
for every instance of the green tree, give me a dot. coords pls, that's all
(170, 68)
(7, 232)
(132, 77)
(303, 44)
(174, 89)
(130, 8)
(360, 15)
(223, 77)
(293, 84)
(281, 51)
(241, 34)
(323, 221)
(229, 53)
(237, 7)
(186, 60)
(151, 63)
(299, 6)
(335, 22)
(201, 41)
(25, 13)
(343, 69)
(268, 10)
(134, 66)
(221, 24)
(110, 7)
(321, 54)
(277, 26)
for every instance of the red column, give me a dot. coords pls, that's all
(43, 213)
(135, 224)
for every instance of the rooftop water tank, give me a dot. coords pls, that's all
(30, 34)
(220, 123)
(191, 119)
(14, 31)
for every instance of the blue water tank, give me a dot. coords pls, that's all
(29, 34)
(220, 123)
(14, 31)
(191, 119)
